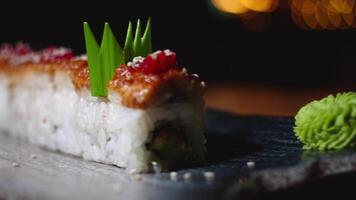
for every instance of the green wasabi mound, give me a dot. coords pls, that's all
(328, 124)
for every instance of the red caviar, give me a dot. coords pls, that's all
(22, 49)
(157, 62)
(56, 54)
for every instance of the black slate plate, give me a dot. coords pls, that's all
(281, 168)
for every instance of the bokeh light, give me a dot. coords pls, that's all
(260, 5)
(230, 6)
(306, 14)
(324, 14)
(255, 14)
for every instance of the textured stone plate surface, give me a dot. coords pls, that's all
(277, 164)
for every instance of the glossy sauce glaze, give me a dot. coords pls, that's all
(152, 80)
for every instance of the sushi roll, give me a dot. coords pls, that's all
(152, 113)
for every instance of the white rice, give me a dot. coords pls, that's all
(48, 111)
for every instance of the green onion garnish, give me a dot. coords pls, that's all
(104, 60)
(128, 49)
(146, 39)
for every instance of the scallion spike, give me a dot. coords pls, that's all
(105, 59)
(111, 54)
(146, 38)
(137, 44)
(95, 73)
(128, 48)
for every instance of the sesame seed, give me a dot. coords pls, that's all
(137, 59)
(156, 167)
(173, 176)
(133, 171)
(195, 75)
(155, 54)
(202, 84)
(168, 52)
(209, 175)
(15, 164)
(250, 164)
(187, 176)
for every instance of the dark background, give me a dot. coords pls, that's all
(216, 46)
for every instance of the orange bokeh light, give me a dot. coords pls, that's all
(306, 14)
(230, 6)
(324, 14)
(260, 5)
(253, 13)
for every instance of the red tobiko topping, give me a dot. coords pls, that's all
(6, 48)
(157, 62)
(19, 49)
(22, 49)
(56, 54)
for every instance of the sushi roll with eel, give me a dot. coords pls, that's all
(153, 111)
